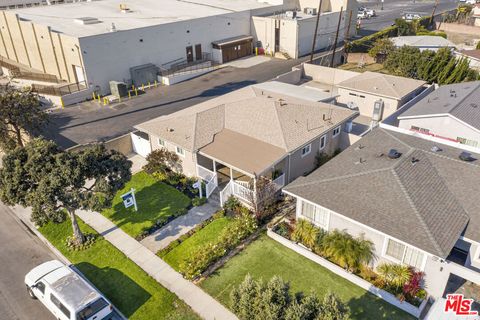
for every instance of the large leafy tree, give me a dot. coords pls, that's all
(53, 181)
(21, 117)
(381, 48)
(404, 62)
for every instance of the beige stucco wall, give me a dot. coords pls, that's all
(301, 165)
(327, 75)
(37, 47)
(189, 166)
(443, 126)
(365, 105)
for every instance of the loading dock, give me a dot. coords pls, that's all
(232, 48)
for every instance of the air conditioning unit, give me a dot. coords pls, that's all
(291, 14)
(378, 110)
(310, 11)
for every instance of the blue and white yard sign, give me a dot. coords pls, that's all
(129, 199)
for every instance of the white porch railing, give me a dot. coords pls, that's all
(239, 191)
(279, 181)
(210, 179)
(246, 184)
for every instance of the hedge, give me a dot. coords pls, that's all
(364, 44)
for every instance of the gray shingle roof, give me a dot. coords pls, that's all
(427, 203)
(422, 41)
(461, 100)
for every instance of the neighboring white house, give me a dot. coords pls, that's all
(232, 140)
(432, 43)
(451, 112)
(415, 199)
(473, 57)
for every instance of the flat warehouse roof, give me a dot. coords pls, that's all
(140, 13)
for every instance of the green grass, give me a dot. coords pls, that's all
(265, 258)
(155, 200)
(374, 67)
(175, 257)
(131, 290)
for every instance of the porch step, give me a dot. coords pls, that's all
(215, 197)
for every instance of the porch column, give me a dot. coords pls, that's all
(214, 166)
(231, 173)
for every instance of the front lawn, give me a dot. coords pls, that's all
(155, 200)
(265, 258)
(208, 234)
(374, 67)
(131, 290)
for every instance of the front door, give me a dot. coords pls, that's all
(189, 53)
(198, 52)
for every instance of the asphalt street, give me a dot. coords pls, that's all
(393, 9)
(20, 251)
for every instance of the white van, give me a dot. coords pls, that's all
(66, 294)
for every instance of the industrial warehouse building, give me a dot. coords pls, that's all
(94, 42)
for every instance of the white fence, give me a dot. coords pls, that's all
(388, 297)
(226, 193)
(238, 190)
(209, 177)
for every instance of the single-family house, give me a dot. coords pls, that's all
(232, 140)
(473, 57)
(415, 199)
(377, 95)
(451, 112)
(433, 43)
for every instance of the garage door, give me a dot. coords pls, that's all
(141, 143)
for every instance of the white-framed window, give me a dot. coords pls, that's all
(323, 141)
(180, 151)
(161, 142)
(404, 254)
(316, 214)
(336, 131)
(306, 150)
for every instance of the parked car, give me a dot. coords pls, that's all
(66, 294)
(362, 15)
(470, 1)
(370, 12)
(411, 16)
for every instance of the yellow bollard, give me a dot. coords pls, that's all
(143, 87)
(256, 51)
(129, 95)
(61, 103)
(136, 92)
(148, 84)
(155, 83)
(98, 96)
(133, 87)
(93, 95)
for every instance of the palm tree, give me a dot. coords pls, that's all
(394, 274)
(347, 251)
(306, 233)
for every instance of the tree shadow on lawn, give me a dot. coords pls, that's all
(122, 291)
(368, 306)
(154, 201)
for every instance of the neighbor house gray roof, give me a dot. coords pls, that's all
(382, 84)
(425, 198)
(461, 100)
(422, 41)
(280, 120)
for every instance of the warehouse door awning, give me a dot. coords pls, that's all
(234, 48)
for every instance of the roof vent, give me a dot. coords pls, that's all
(414, 160)
(473, 105)
(359, 147)
(360, 161)
(86, 20)
(436, 149)
(394, 154)
(170, 129)
(466, 156)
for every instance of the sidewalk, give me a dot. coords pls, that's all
(196, 298)
(178, 227)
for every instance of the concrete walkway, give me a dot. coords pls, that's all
(196, 298)
(178, 227)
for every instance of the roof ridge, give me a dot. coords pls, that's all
(417, 213)
(194, 140)
(276, 105)
(391, 85)
(451, 159)
(399, 140)
(342, 177)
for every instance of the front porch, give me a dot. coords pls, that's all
(232, 181)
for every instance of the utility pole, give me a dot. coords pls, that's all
(316, 30)
(336, 38)
(347, 34)
(433, 12)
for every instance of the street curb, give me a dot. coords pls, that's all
(31, 227)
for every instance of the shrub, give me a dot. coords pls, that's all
(478, 45)
(255, 300)
(231, 205)
(72, 244)
(196, 202)
(284, 229)
(306, 233)
(162, 161)
(394, 275)
(364, 44)
(346, 251)
(413, 286)
(242, 226)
